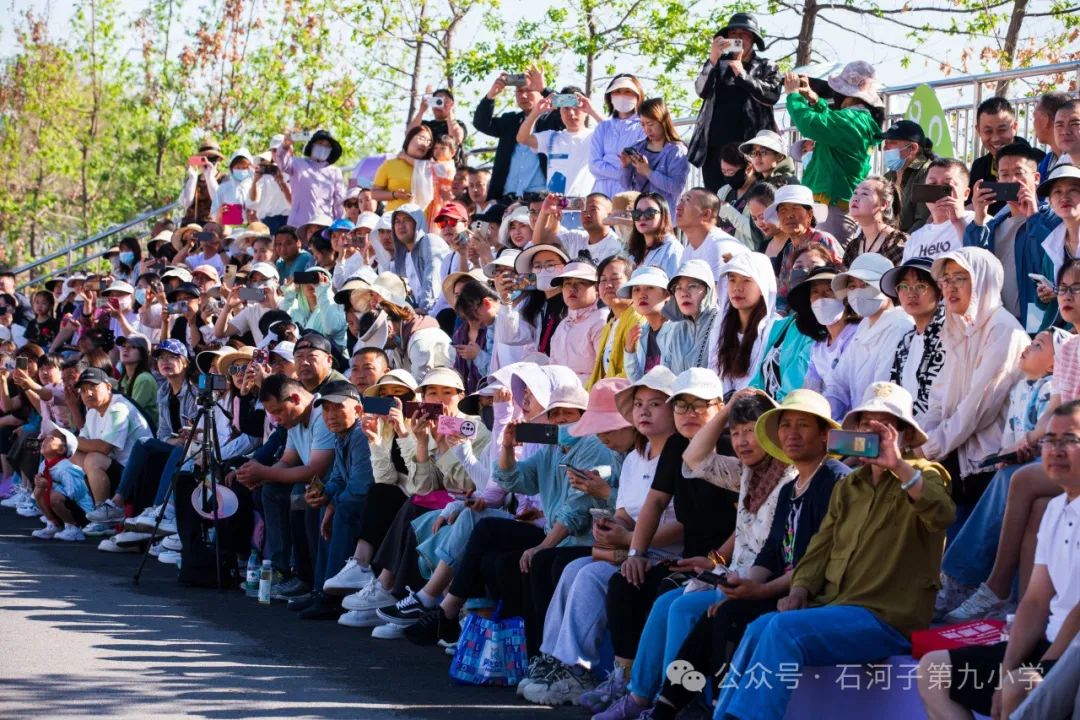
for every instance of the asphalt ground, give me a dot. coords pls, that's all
(78, 639)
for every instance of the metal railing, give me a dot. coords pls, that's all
(68, 251)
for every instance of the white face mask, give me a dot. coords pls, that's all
(624, 104)
(827, 310)
(320, 153)
(865, 301)
(544, 278)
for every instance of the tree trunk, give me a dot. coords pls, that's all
(806, 33)
(590, 56)
(418, 60)
(1012, 36)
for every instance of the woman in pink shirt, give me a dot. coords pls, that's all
(577, 338)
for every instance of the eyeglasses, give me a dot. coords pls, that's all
(689, 287)
(644, 214)
(760, 153)
(550, 265)
(917, 288)
(1065, 442)
(682, 407)
(1069, 291)
(954, 280)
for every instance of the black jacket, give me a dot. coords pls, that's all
(505, 127)
(756, 92)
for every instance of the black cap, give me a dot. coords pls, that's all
(1020, 148)
(891, 277)
(337, 391)
(94, 375)
(313, 341)
(190, 288)
(493, 214)
(744, 21)
(905, 130)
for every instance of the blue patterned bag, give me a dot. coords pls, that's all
(491, 651)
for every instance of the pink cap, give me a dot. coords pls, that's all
(602, 415)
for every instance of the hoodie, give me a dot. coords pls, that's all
(420, 266)
(758, 267)
(968, 401)
(688, 344)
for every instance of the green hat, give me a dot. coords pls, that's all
(806, 401)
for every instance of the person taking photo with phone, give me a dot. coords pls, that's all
(944, 230)
(567, 151)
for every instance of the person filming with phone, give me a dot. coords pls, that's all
(869, 575)
(739, 89)
(1016, 234)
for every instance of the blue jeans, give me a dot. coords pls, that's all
(146, 456)
(969, 557)
(448, 545)
(344, 531)
(276, 499)
(671, 619)
(780, 645)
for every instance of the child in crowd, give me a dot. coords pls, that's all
(1030, 396)
(60, 487)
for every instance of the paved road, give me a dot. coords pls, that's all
(79, 640)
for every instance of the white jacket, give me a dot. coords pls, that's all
(868, 358)
(968, 401)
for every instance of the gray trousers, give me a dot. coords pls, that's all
(1058, 696)
(576, 620)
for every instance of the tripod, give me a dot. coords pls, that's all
(209, 457)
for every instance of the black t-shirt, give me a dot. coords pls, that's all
(441, 127)
(175, 421)
(707, 512)
(42, 333)
(729, 121)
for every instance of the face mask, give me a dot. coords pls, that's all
(827, 310)
(240, 175)
(565, 438)
(806, 159)
(127, 258)
(893, 159)
(797, 276)
(624, 104)
(125, 302)
(140, 295)
(735, 181)
(544, 278)
(487, 416)
(320, 153)
(865, 301)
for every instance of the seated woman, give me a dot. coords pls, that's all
(798, 217)
(651, 240)
(824, 318)
(566, 511)
(648, 289)
(871, 207)
(576, 619)
(613, 273)
(576, 341)
(530, 325)
(694, 292)
(312, 306)
(739, 337)
(759, 480)
(477, 305)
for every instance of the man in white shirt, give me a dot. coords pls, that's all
(1048, 617)
(696, 214)
(594, 236)
(944, 231)
(112, 427)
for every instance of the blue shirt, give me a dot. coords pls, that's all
(313, 436)
(300, 263)
(525, 174)
(70, 481)
(351, 476)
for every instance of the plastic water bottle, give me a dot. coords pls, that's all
(264, 582)
(251, 584)
(1006, 631)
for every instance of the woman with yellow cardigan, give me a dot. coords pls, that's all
(613, 272)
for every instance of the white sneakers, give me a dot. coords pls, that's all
(352, 577)
(983, 604)
(47, 532)
(372, 597)
(389, 631)
(168, 557)
(70, 533)
(360, 619)
(17, 498)
(109, 545)
(144, 522)
(172, 542)
(107, 512)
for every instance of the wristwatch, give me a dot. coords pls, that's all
(632, 553)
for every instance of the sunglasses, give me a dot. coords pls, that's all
(644, 214)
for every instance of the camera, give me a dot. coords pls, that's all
(564, 100)
(270, 169)
(212, 382)
(435, 101)
(515, 79)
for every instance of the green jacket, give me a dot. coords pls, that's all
(842, 143)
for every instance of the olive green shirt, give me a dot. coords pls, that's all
(879, 549)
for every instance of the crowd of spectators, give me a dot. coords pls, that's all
(571, 385)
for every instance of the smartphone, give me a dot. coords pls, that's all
(537, 433)
(449, 425)
(1003, 191)
(930, 193)
(101, 303)
(567, 466)
(196, 161)
(230, 274)
(710, 578)
(177, 308)
(462, 239)
(306, 277)
(232, 214)
(632, 152)
(300, 138)
(252, 294)
(377, 405)
(426, 410)
(515, 79)
(201, 237)
(735, 45)
(601, 514)
(573, 204)
(317, 485)
(1007, 458)
(479, 227)
(564, 100)
(21, 362)
(847, 443)
(260, 356)
(526, 281)
(1041, 280)
(94, 285)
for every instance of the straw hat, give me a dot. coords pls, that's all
(806, 401)
(891, 399)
